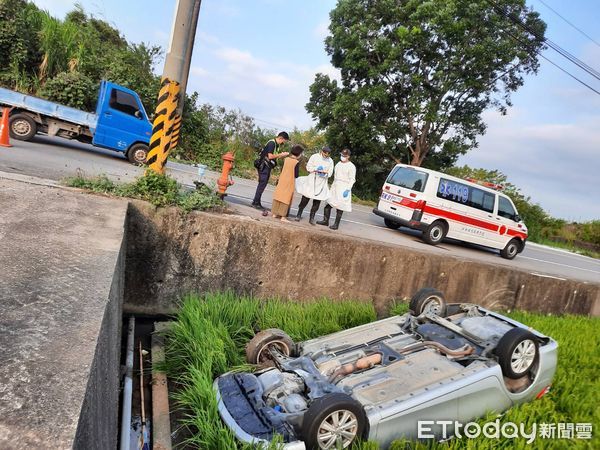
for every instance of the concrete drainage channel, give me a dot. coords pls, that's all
(168, 255)
(145, 418)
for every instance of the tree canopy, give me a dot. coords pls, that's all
(417, 75)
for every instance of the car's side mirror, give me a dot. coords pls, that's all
(518, 218)
(138, 114)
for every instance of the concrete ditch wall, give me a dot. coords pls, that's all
(170, 254)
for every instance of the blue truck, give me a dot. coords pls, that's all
(120, 122)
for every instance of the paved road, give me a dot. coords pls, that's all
(56, 158)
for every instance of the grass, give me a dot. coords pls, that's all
(160, 190)
(569, 246)
(210, 332)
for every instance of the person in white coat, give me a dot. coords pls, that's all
(315, 186)
(340, 194)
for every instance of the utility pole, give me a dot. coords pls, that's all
(167, 120)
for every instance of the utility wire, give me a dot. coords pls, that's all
(528, 46)
(566, 20)
(517, 21)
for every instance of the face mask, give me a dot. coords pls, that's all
(343, 158)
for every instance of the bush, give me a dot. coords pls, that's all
(160, 190)
(73, 89)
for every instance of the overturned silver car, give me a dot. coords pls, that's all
(452, 362)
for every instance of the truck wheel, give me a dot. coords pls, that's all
(22, 127)
(518, 352)
(428, 300)
(333, 421)
(257, 347)
(511, 250)
(435, 233)
(137, 154)
(391, 224)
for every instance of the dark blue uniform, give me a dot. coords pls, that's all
(264, 170)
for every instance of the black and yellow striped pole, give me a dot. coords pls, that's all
(166, 130)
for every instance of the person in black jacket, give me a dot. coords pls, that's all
(266, 162)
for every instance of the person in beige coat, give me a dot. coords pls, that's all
(284, 191)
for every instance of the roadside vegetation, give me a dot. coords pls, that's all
(210, 332)
(160, 190)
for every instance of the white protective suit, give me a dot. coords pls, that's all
(340, 194)
(314, 185)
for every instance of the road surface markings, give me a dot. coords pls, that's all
(558, 264)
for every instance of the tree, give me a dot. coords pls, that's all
(416, 76)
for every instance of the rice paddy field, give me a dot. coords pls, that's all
(208, 336)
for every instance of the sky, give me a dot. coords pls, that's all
(262, 55)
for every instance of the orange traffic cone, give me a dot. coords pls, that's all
(4, 141)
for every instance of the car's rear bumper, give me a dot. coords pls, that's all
(414, 223)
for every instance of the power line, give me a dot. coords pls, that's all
(558, 48)
(517, 21)
(529, 47)
(570, 23)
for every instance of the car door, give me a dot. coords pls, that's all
(506, 216)
(122, 120)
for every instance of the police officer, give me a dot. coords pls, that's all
(266, 162)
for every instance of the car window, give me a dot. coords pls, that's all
(506, 209)
(409, 178)
(124, 102)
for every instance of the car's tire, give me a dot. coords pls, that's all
(318, 427)
(138, 154)
(391, 224)
(435, 233)
(517, 352)
(512, 249)
(22, 127)
(272, 337)
(428, 300)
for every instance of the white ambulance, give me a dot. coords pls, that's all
(444, 206)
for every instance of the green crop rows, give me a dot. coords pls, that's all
(210, 332)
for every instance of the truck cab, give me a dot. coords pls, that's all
(122, 121)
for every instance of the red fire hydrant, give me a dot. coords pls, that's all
(225, 180)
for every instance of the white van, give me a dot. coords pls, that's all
(441, 205)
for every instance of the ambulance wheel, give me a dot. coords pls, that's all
(137, 154)
(22, 127)
(511, 250)
(435, 233)
(391, 224)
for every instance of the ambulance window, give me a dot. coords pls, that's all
(506, 209)
(453, 191)
(408, 178)
(481, 199)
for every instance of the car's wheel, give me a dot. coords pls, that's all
(22, 127)
(138, 154)
(333, 421)
(391, 224)
(517, 352)
(257, 348)
(435, 232)
(511, 250)
(428, 300)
